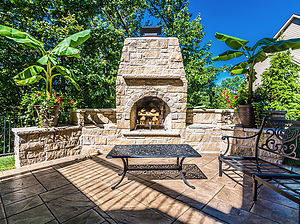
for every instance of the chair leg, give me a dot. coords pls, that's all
(299, 214)
(254, 189)
(220, 168)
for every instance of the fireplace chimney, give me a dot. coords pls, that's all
(150, 31)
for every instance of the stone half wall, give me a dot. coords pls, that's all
(35, 145)
(95, 131)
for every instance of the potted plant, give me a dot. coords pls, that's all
(48, 67)
(255, 54)
(41, 103)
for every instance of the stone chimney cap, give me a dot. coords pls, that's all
(154, 31)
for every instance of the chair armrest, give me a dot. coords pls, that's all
(234, 137)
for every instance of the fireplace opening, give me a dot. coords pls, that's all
(150, 113)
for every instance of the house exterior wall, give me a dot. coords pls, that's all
(291, 31)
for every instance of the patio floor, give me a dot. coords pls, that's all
(78, 190)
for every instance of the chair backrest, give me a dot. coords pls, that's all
(281, 137)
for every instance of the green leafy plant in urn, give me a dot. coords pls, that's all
(253, 55)
(47, 67)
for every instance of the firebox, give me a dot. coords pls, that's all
(150, 113)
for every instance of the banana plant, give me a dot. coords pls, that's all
(48, 64)
(255, 54)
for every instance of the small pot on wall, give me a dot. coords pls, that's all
(246, 115)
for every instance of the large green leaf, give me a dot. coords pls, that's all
(232, 42)
(75, 39)
(20, 37)
(44, 60)
(239, 68)
(259, 56)
(282, 45)
(227, 55)
(66, 51)
(29, 75)
(66, 73)
(52, 60)
(264, 41)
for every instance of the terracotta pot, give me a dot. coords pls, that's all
(246, 115)
(52, 120)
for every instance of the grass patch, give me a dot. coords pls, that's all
(7, 163)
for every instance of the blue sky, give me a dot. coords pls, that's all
(249, 20)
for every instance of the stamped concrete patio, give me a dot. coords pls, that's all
(78, 190)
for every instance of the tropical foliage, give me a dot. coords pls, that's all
(255, 54)
(48, 61)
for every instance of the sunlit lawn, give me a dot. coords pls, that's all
(7, 162)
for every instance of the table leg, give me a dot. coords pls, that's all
(125, 164)
(182, 176)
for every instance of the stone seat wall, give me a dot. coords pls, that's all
(95, 131)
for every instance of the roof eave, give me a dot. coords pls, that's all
(294, 16)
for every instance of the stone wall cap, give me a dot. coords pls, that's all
(210, 110)
(152, 133)
(152, 76)
(95, 110)
(111, 126)
(32, 130)
(239, 128)
(202, 126)
(230, 127)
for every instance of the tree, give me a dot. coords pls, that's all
(233, 84)
(110, 22)
(52, 21)
(281, 83)
(175, 20)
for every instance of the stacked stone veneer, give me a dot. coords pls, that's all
(35, 145)
(151, 67)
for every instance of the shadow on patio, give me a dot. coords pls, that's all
(74, 190)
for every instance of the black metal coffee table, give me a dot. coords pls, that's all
(153, 151)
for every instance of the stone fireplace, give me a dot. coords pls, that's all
(151, 87)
